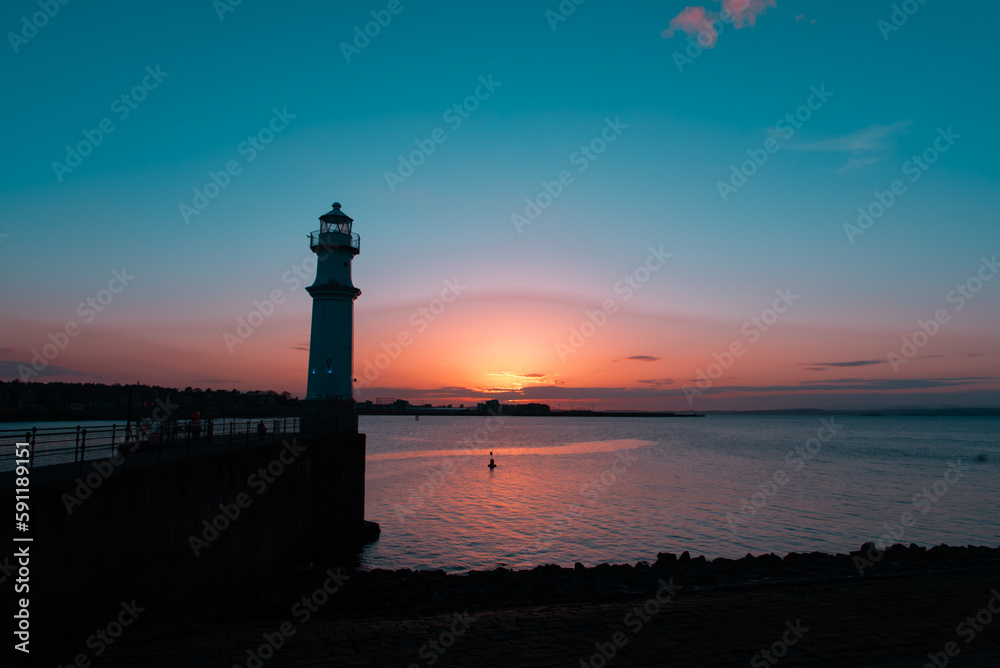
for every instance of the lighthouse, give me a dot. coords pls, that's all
(329, 405)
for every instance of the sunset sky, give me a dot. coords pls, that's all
(682, 192)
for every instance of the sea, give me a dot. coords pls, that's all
(594, 490)
(620, 490)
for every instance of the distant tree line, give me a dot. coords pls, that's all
(21, 401)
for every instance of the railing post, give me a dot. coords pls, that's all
(114, 431)
(83, 445)
(31, 436)
(248, 433)
(76, 450)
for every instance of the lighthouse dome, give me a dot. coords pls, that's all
(336, 221)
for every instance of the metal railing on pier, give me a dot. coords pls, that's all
(64, 445)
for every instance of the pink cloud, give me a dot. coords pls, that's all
(746, 11)
(696, 22)
(699, 22)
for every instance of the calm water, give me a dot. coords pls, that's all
(620, 490)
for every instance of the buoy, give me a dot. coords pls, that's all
(492, 465)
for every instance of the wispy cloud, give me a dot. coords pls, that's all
(881, 384)
(513, 381)
(823, 366)
(804, 18)
(9, 369)
(864, 147)
(745, 12)
(667, 390)
(640, 358)
(699, 22)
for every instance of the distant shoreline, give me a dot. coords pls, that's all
(116, 417)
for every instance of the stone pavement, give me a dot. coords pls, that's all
(888, 621)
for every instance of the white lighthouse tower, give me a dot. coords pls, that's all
(329, 406)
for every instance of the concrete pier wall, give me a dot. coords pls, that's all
(182, 531)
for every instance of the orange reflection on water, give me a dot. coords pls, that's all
(565, 449)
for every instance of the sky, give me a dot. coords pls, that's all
(753, 204)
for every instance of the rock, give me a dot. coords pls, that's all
(665, 560)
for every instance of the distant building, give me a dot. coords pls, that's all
(488, 407)
(384, 406)
(528, 409)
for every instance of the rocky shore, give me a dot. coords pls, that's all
(904, 606)
(432, 591)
